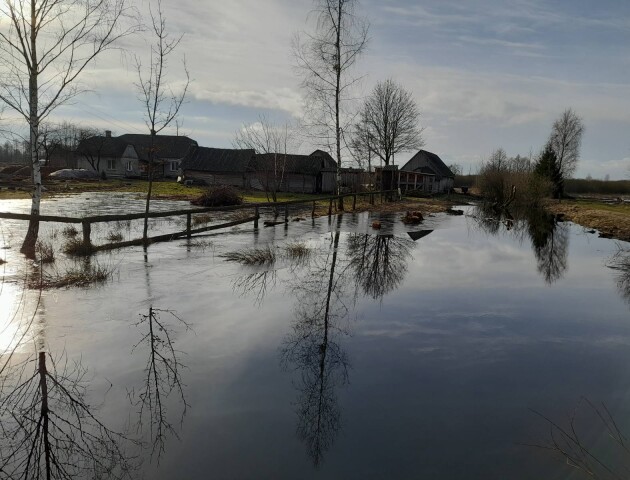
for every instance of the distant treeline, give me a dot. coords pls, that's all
(608, 187)
(571, 185)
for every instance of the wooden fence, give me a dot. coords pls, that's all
(87, 222)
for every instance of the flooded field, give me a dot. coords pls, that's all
(435, 351)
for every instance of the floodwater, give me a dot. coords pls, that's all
(375, 356)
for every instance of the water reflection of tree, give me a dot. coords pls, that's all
(379, 262)
(163, 378)
(312, 349)
(48, 428)
(549, 237)
(550, 240)
(621, 263)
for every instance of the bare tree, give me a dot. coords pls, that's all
(161, 102)
(92, 146)
(325, 59)
(391, 119)
(42, 53)
(565, 139)
(271, 143)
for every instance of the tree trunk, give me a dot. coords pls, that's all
(150, 175)
(28, 247)
(337, 99)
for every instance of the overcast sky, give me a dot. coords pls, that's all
(485, 73)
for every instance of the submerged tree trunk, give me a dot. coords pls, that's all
(150, 177)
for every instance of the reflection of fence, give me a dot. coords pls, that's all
(87, 222)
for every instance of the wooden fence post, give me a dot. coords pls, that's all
(256, 216)
(286, 214)
(330, 207)
(87, 230)
(354, 201)
(313, 211)
(188, 224)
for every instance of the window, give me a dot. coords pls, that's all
(174, 166)
(129, 166)
(111, 164)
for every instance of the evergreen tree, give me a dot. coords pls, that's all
(547, 167)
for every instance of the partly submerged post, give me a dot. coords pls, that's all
(286, 214)
(330, 207)
(354, 201)
(313, 211)
(188, 224)
(87, 230)
(256, 216)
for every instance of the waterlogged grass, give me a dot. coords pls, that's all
(69, 232)
(83, 276)
(115, 236)
(252, 256)
(45, 252)
(76, 247)
(297, 251)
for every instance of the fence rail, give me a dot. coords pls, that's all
(87, 222)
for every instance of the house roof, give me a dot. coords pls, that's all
(206, 159)
(307, 164)
(432, 164)
(166, 146)
(102, 145)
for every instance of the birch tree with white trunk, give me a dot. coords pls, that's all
(44, 46)
(325, 59)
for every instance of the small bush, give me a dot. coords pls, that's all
(253, 256)
(69, 231)
(75, 246)
(220, 196)
(45, 252)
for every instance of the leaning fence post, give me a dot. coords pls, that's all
(256, 216)
(188, 224)
(87, 230)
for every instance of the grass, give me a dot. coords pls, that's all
(76, 247)
(73, 277)
(114, 236)
(252, 256)
(69, 231)
(201, 218)
(45, 252)
(297, 251)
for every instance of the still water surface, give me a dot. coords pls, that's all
(376, 357)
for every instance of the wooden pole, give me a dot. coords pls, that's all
(286, 214)
(256, 217)
(330, 207)
(313, 211)
(188, 224)
(354, 201)
(87, 230)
